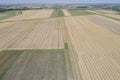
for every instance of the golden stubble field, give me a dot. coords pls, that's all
(95, 49)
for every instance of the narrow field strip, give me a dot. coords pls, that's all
(57, 13)
(106, 11)
(80, 12)
(66, 13)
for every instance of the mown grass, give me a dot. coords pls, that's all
(13, 55)
(8, 61)
(57, 13)
(8, 14)
(65, 45)
(80, 12)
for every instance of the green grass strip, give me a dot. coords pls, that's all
(57, 13)
(8, 14)
(80, 12)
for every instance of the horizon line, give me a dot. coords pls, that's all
(59, 3)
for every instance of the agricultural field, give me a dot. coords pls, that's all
(106, 11)
(66, 13)
(80, 12)
(48, 34)
(28, 15)
(62, 44)
(33, 65)
(113, 16)
(110, 24)
(57, 13)
(8, 14)
(94, 50)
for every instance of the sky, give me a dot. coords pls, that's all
(59, 1)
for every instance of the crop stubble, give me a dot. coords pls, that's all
(95, 50)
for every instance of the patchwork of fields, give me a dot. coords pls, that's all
(61, 44)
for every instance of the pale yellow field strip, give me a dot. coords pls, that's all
(3, 25)
(106, 23)
(107, 11)
(66, 13)
(32, 14)
(95, 50)
(93, 11)
(108, 19)
(49, 34)
(113, 15)
(12, 35)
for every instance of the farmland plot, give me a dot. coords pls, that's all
(49, 34)
(94, 50)
(32, 14)
(93, 11)
(35, 65)
(106, 11)
(8, 14)
(34, 49)
(13, 34)
(106, 22)
(66, 13)
(57, 13)
(3, 25)
(70, 48)
(113, 16)
(108, 14)
(80, 12)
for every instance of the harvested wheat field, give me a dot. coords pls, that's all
(94, 50)
(48, 34)
(108, 23)
(43, 45)
(31, 14)
(117, 16)
(106, 11)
